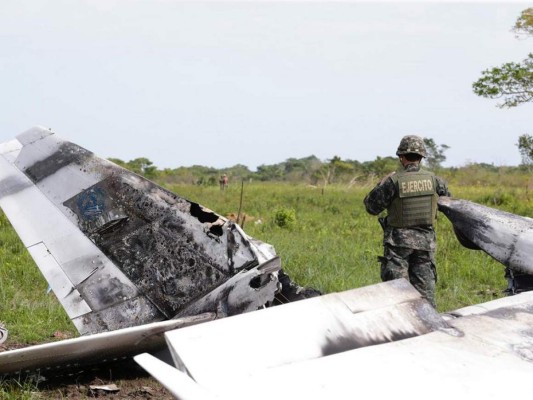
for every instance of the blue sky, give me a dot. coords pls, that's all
(224, 83)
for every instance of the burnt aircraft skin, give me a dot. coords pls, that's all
(315, 358)
(150, 243)
(3, 333)
(506, 237)
(158, 252)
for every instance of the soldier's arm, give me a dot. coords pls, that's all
(380, 197)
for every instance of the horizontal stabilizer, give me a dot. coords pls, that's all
(335, 346)
(303, 330)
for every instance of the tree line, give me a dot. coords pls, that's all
(311, 170)
(512, 82)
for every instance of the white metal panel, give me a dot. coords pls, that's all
(38, 221)
(406, 370)
(79, 256)
(66, 183)
(63, 183)
(381, 295)
(297, 331)
(34, 134)
(487, 356)
(32, 153)
(509, 301)
(32, 215)
(399, 370)
(80, 259)
(506, 331)
(98, 347)
(63, 288)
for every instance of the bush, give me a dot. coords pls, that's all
(284, 217)
(497, 198)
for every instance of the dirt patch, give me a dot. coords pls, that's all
(119, 380)
(130, 379)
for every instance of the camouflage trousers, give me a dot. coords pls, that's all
(417, 266)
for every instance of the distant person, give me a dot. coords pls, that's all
(410, 198)
(223, 182)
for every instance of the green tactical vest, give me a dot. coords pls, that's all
(416, 203)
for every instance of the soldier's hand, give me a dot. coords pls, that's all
(387, 177)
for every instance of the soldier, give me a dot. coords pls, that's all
(410, 198)
(223, 182)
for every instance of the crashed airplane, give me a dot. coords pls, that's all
(143, 272)
(376, 340)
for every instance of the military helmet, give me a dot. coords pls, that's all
(411, 144)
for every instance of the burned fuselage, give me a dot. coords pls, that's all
(170, 248)
(119, 250)
(506, 237)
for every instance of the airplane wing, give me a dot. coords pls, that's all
(382, 340)
(119, 250)
(65, 356)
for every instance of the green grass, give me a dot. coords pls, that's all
(332, 244)
(24, 389)
(30, 314)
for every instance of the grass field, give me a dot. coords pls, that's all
(324, 236)
(333, 243)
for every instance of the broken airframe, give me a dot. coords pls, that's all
(136, 266)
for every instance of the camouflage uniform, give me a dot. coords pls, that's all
(408, 252)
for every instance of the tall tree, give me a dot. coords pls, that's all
(334, 169)
(525, 146)
(435, 153)
(513, 82)
(141, 165)
(524, 24)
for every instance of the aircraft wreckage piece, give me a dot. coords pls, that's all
(3, 333)
(506, 237)
(60, 356)
(368, 340)
(119, 250)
